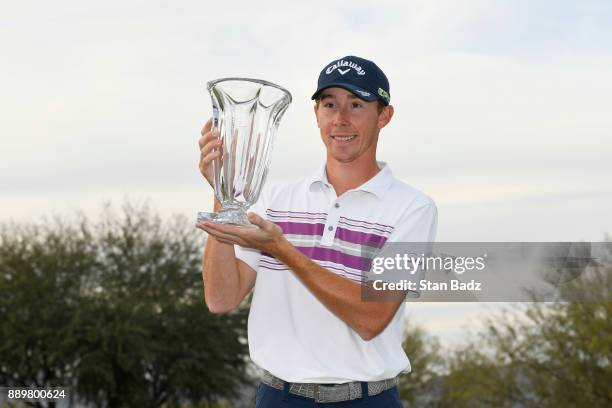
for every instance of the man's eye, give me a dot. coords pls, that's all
(328, 105)
(356, 105)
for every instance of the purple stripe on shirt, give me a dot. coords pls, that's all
(270, 260)
(362, 238)
(273, 263)
(344, 234)
(301, 228)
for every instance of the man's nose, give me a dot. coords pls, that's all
(341, 117)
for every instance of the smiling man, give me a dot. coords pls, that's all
(310, 330)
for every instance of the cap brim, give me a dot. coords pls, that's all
(355, 90)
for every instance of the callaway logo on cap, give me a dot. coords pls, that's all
(358, 75)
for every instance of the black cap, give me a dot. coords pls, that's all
(358, 75)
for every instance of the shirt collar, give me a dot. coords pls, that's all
(376, 185)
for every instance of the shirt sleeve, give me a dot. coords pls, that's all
(424, 233)
(413, 235)
(419, 225)
(248, 255)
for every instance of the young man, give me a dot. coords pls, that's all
(309, 328)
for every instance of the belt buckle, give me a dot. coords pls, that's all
(318, 398)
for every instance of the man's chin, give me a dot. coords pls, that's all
(344, 158)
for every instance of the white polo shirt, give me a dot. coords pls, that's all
(291, 333)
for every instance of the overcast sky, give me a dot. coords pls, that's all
(502, 106)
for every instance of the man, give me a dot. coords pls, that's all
(309, 328)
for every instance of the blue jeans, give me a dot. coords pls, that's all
(269, 397)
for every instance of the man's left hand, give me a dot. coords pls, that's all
(266, 237)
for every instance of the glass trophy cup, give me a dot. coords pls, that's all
(246, 112)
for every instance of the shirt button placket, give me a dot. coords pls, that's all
(332, 221)
(336, 217)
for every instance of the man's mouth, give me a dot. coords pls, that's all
(343, 138)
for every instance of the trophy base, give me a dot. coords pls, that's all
(225, 217)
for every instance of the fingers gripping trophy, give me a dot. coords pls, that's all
(236, 144)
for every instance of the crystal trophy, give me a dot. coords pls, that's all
(246, 112)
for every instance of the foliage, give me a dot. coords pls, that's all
(426, 362)
(541, 354)
(114, 309)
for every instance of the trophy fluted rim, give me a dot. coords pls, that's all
(214, 82)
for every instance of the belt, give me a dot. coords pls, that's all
(330, 392)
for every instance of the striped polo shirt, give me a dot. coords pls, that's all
(292, 334)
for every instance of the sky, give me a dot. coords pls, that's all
(502, 107)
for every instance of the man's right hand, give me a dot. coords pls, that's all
(210, 149)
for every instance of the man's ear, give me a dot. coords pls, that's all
(385, 116)
(316, 111)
